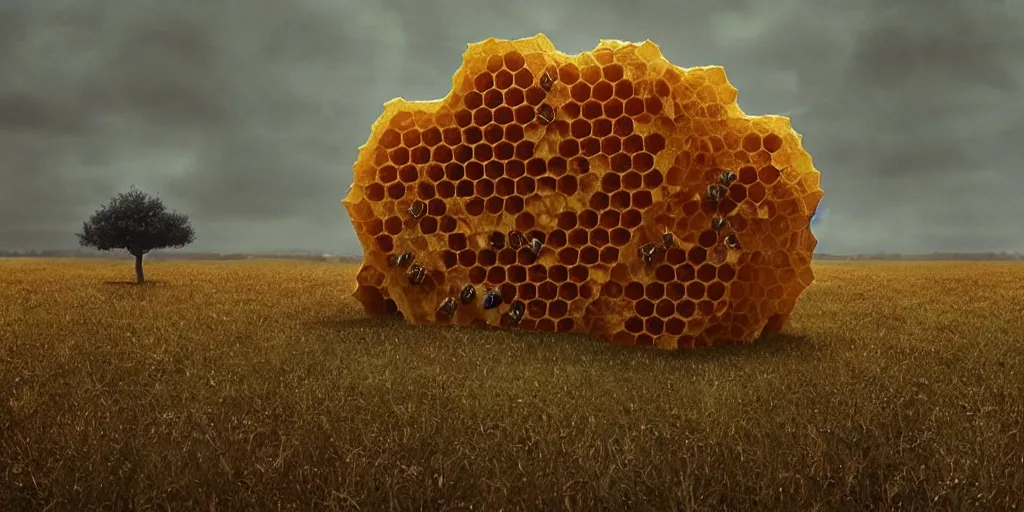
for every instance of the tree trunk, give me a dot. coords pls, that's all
(139, 278)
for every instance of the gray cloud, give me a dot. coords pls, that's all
(247, 114)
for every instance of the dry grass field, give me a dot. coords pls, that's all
(258, 385)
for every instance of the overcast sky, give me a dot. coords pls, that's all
(246, 114)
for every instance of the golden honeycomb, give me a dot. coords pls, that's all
(610, 193)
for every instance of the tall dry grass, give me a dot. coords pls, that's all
(258, 385)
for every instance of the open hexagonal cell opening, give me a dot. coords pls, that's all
(664, 308)
(477, 275)
(706, 272)
(620, 200)
(620, 162)
(716, 290)
(547, 291)
(634, 325)
(558, 308)
(516, 274)
(567, 185)
(695, 290)
(686, 308)
(675, 291)
(393, 225)
(577, 237)
(494, 205)
(620, 236)
(706, 239)
(496, 275)
(524, 114)
(525, 186)
(507, 256)
(487, 257)
(436, 207)
(654, 291)
(643, 308)
(425, 190)
(566, 220)
(675, 326)
(654, 326)
(568, 256)
(374, 192)
(556, 239)
(634, 291)
(609, 219)
(609, 255)
(546, 184)
(642, 199)
(568, 291)
(664, 273)
(514, 205)
(558, 273)
(467, 258)
(589, 255)
(537, 273)
(396, 191)
(579, 273)
(726, 273)
(428, 225)
(526, 291)
(599, 237)
(525, 221)
(374, 227)
(448, 223)
(587, 219)
(536, 308)
(494, 169)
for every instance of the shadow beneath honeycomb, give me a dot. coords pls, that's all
(781, 344)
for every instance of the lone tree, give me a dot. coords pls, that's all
(138, 223)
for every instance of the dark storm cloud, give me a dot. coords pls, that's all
(247, 114)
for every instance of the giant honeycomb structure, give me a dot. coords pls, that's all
(609, 193)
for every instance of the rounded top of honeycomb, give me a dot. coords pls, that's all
(609, 192)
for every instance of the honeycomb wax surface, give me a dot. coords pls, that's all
(663, 214)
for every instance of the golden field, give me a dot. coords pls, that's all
(259, 385)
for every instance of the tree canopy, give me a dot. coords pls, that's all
(136, 222)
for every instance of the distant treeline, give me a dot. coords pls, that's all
(182, 255)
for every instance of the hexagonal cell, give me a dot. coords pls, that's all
(643, 308)
(558, 308)
(524, 114)
(507, 256)
(634, 325)
(620, 236)
(589, 255)
(477, 275)
(686, 308)
(374, 192)
(751, 143)
(547, 291)
(599, 237)
(642, 199)
(587, 219)
(631, 218)
(467, 258)
(567, 185)
(447, 224)
(643, 162)
(577, 237)
(556, 273)
(609, 255)
(516, 274)
(664, 273)
(620, 200)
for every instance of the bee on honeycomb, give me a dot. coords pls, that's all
(610, 192)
